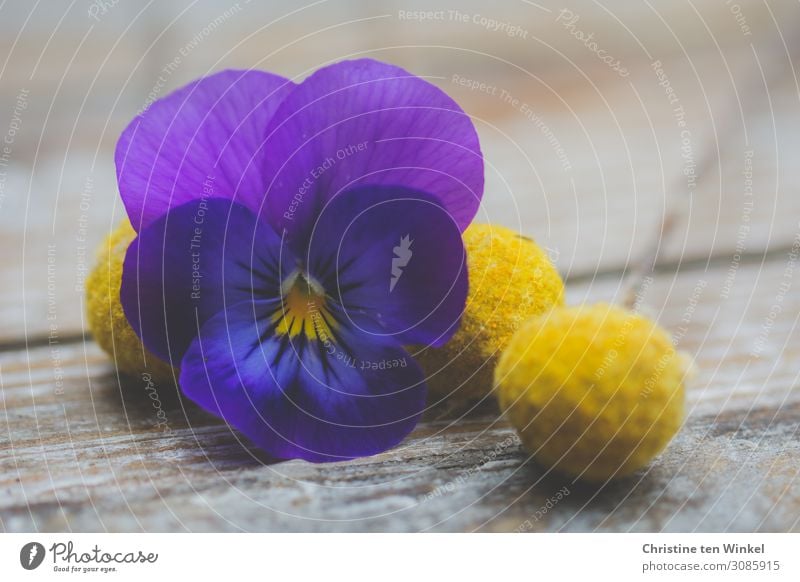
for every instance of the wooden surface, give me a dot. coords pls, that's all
(93, 458)
(80, 447)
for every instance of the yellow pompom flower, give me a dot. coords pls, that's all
(595, 392)
(107, 320)
(511, 279)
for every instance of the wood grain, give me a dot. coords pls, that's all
(84, 450)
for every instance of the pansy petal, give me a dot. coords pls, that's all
(395, 255)
(204, 139)
(300, 397)
(192, 262)
(366, 122)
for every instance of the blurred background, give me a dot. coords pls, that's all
(586, 141)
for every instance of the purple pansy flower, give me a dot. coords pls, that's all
(292, 238)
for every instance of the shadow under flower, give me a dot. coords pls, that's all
(158, 413)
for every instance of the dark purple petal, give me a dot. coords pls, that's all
(365, 122)
(347, 396)
(204, 139)
(193, 262)
(395, 256)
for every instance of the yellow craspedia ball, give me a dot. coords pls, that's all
(594, 391)
(107, 321)
(511, 279)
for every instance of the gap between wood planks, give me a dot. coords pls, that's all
(666, 266)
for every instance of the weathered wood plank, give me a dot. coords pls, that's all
(713, 477)
(82, 449)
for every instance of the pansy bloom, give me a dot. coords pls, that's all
(292, 238)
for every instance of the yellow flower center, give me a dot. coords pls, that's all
(303, 310)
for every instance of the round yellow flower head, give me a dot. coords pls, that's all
(594, 391)
(510, 280)
(107, 321)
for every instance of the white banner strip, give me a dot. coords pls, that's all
(387, 557)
